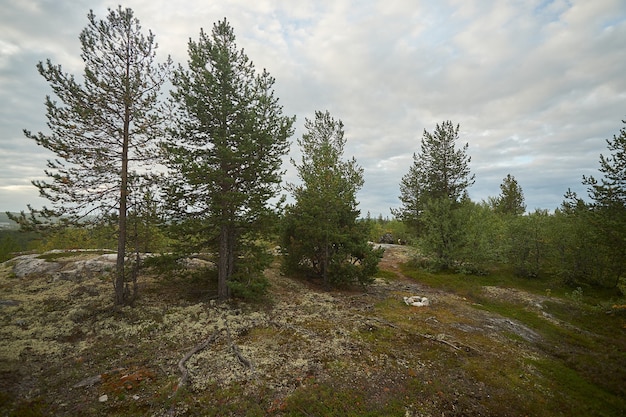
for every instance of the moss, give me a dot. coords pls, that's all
(320, 398)
(386, 275)
(573, 394)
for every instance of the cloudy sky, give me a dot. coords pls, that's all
(537, 86)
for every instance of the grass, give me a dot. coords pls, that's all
(574, 394)
(581, 361)
(387, 275)
(317, 398)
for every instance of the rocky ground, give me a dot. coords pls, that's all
(64, 350)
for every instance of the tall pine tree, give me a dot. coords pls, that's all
(439, 170)
(225, 160)
(434, 189)
(102, 131)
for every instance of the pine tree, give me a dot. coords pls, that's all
(511, 198)
(439, 170)
(102, 130)
(609, 205)
(611, 189)
(321, 233)
(225, 159)
(434, 190)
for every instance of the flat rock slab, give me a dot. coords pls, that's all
(69, 268)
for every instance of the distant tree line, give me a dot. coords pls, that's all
(196, 172)
(582, 242)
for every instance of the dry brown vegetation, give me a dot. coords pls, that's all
(302, 351)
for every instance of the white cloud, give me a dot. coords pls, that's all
(536, 85)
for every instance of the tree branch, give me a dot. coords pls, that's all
(181, 364)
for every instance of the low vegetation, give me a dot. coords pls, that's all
(491, 345)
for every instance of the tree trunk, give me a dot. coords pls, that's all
(121, 296)
(224, 263)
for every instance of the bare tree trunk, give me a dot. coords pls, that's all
(224, 263)
(121, 296)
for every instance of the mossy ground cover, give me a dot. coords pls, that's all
(485, 346)
(578, 366)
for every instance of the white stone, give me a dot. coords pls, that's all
(103, 398)
(417, 301)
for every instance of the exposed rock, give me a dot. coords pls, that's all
(88, 382)
(387, 238)
(9, 303)
(82, 269)
(63, 268)
(197, 263)
(417, 301)
(32, 265)
(501, 323)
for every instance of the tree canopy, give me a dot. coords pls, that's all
(225, 154)
(511, 198)
(321, 234)
(608, 206)
(439, 170)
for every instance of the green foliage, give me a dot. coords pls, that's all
(434, 194)
(248, 280)
(578, 252)
(483, 232)
(589, 239)
(115, 107)
(439, 171)
(527, 243)
(511, 198)
(225, 157)
(147, 232)
(609, 205)
(102, 236)
(397, 228)
(462, 236)
(13, 241)
(442, 230)
(321, 234)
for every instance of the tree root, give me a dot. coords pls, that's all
(185, 372)
(181, 364)
(246, 362)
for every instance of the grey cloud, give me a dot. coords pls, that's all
(536, 86)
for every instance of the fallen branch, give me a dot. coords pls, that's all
(246, 362)
(181, 364)
(96, 379)
(441, 339)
